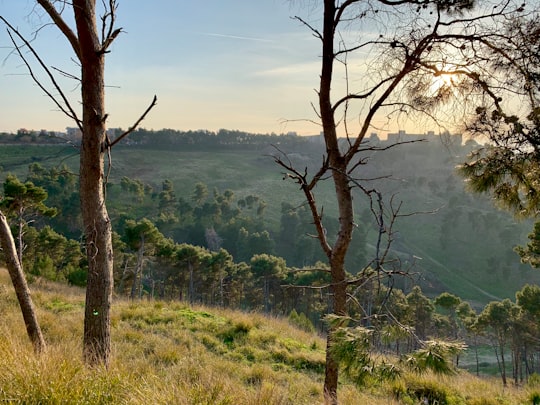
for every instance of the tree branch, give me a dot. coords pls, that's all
(134, 126)
(62, 26)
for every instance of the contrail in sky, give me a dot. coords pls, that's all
(212, 34)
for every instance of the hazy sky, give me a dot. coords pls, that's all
(235, 64)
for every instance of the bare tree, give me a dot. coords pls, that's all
(90, 44)
(397, 52)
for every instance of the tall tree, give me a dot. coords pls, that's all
(90, 44)
(497, 320)
(142, 237)
(268, 269)
(400, 70)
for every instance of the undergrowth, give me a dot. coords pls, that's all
(173, 353)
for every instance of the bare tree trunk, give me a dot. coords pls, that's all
(90, 50)
(124, 276)
(338, 165)
(191, 283)
(20, 225)
(136, 287)
(503, 365)
(96, 222)
(21, 287)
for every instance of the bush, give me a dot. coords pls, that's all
(533, 380)
(428, 391)
(534, 398)
(44, 267)
(77, 276)
(301, 321)
(235, 332)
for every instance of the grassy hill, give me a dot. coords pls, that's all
(464, 242)
(171, 353)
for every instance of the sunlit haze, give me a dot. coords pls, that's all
(235, 64)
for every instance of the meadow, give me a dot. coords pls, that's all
(173, 353)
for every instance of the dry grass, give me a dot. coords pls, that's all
(171, 353)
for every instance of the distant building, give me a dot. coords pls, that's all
(445, 137)
(317, 139)
(73, 134)
(373, 138)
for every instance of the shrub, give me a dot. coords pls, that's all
(76, 276)
(301, 321)
(533, 380)
(44, 267)
(238, 331)
(428, 391)
(534, 397)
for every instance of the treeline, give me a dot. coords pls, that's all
(164, 138)
(222, 138)
(29, 137)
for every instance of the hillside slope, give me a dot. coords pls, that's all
(171, 353)
(455, 242)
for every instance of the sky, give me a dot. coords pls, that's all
(234, 64)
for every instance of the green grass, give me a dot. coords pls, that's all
(172, 353)
(16, 158)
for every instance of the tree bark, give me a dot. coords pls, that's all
(338, 166)
(96, 222)
(21, 287)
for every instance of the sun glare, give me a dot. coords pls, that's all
(442, 80)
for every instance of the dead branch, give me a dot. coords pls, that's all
(135, 125)
(309, 287)
(306, 187)
(310, 269)
(108, 38)
(66, 74)
(316, 33)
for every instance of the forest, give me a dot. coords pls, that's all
(215, 237)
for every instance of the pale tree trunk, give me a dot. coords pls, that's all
(96, 222)
(20, 224)
(191, 283)
(19, 284)
(136, 287)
